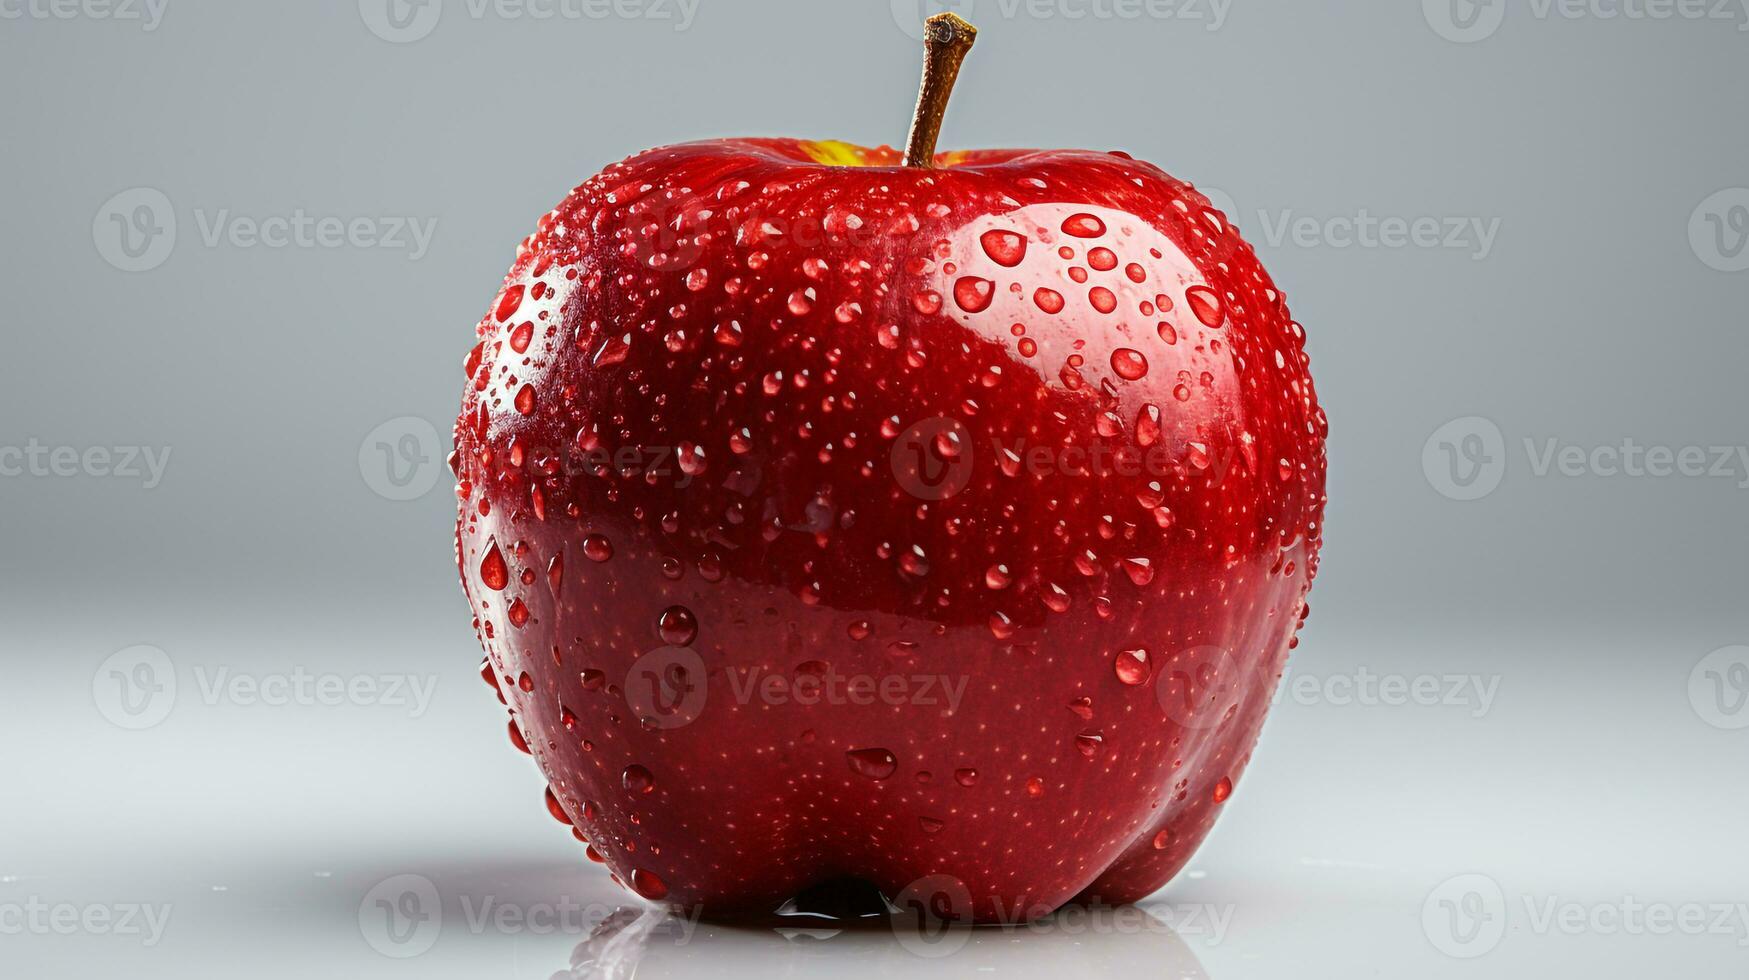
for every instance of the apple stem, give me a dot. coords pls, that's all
(946, 39)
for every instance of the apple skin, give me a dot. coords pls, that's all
(677, 474)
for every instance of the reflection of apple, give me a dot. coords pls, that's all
(1098, 943)
(1024, 440)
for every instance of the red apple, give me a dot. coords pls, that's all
(770, 445)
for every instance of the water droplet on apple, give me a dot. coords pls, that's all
(557, 810)
(901, 648)
(508, 303)
(1089, 743)
(1083, 225)
(1005, 248)
(494, 574)
(692, 459)
(973, 294)
(1206, 305)
(596, 547)
(1131, 666)
(647, 884)
(1055, 598)
(873, 763)
(677, 626)
(914, 562)
(1129, 364)
(637, 779)
(1001, 626)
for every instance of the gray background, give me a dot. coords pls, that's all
(1598, 771)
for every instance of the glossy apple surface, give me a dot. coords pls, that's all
(826, 518)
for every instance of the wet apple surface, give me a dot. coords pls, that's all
(1028, 437)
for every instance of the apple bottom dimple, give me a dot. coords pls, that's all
(815, 755)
